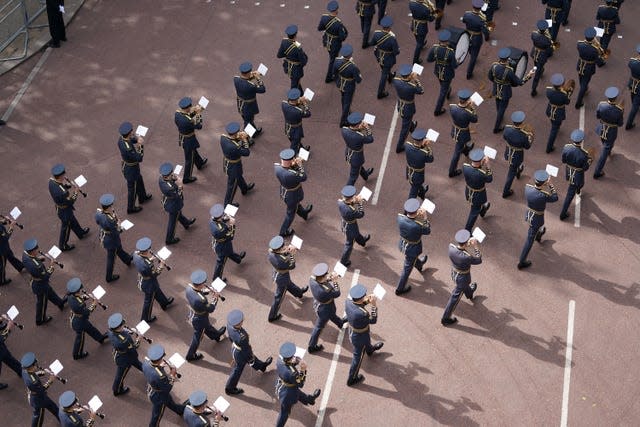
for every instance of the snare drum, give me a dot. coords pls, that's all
(518, 61)
(459, 41)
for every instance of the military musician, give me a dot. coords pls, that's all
(223, 230)
(132, 152)
(148, 271)
(110, 229)
(6, 254)
(590, 55)
(347, 76)
(356, 135)
(70, 410)
(125, 343)
(37, 390)
(283, 259)
(333, 34)
(235, 145)
(160, 383)
(477, 175)
(543, 47)
(291, 174)
(407, 87)
(82, 305)
(462, 114)
(577, 160)
(293, 56)
(351, 209)
(611, 116)
(172, 202)
(295, 109)
(248, 84)
(412, 225)
(418, 152)
(325, 289)
(518, 138)
(559, 96)
(445, 60)
(386, 51)
(188, 119)
(634, 88)
(64, 193)
(476, 24)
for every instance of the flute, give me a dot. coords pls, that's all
(16, 324)
(74, 185)
(86, 297)
(10, 220)
(161, 260)
(59, 264)
(86, 408)
(43, 371)
(135, 332)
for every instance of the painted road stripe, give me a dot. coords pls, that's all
(25, 85)
(385, 157)
(567, 364)
(334, 365)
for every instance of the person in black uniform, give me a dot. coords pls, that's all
(462, 114)
(70, 410)
(125, 343)
(418, 153)
(590, 54)
(188, 119)
(422, 12)
(463, 255)
(558, 97)
(611, 116)
(492, 7)
(518, 139)
(557, 11)
(347, 75)
(325, 289)
(200, 308)
(407, 87)
(412, 225)
(110, 230)
(476, 23)
(6, 254)
(248, 84)
(160, 384)
(537, 198)
(64, 200)
(282, 259)
(291, 174)
(148, 273)
(476, 175)
(132, 152)
(634, 88)
(294, 58)
(333, 34)
(36, 390)
(241, 352)
(542, 50)
(80, 312)
(196, 413)
(577, 161)
(445, 64)
(223, 229)
(294, 109)
(6, 357)
(56, 22)
(386, 51)
(235, 145)
(351, 209)
(365, 10)
(607, 17)
(172, 202)
(440, 4)
(355, 136)
(292, 374)
(359, 319)
(40, 273)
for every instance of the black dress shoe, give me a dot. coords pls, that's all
(85, 232)
(2, 123)
(391, 77)
(233, 391)
(308, 210)
(534, 93)
(190, 180)
(413, 125)
(81, 355)
(631, 126)
(439, 112)
(507, 194)
(564, 216)
(484, 209)
(473, 287)
(368, 173)
(498, 129)
(383, 95)
(267, 362)
(104, 338)
(204, 162)
(598, 175)
(347, 263)
(315, 394)
(519, 170)
(540, 234)
(524, 264)
(197, 356)
(147, 197)
(250, 187)
(351, 382)
(303, 291)
(550, 150)
(258, 131)
(6, 282)
(399, 149)
(220, 333)
(67, 248)
(46, 320)
(578, 106)
(449, 321)
(403, 290)
(113, 278)
(455, 173)
(278, 317)
(169, 302)
(172, 241)
(377, 346)
(366, 239)
(3, 386)
(419, 61)
(189, 223)
(315, 348)
(236, 204)
(328, 80)
(135, 209)
(242, 255)
(121, 392)
(152, 319)
(469, 76)
(54, 45)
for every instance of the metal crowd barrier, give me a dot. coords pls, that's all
(16, 18)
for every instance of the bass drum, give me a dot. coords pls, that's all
(518, 61)
(459, 41)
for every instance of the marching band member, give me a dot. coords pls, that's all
(445, 64)
(386, 51)
(543, 47)
(418, 153)
(333, 34)
(172, 202)
(558, 97)
(6, 254)
(412, 225)
(107, 219)
(590, 54)
(196, 413)
(148, 273)
(407, 87)
(5, 355)
(159, 384)
(476, 175)
(188, 119)
(132, 152)
(517, 140)
(37, 390)
(537, 198)
(70, 410)
(235, 145)
(607, 17)
(294, 109)
(422, 12)
(293, 56)
(80, 312)
(611, 116)
(476, 24)
(325, 289)
(125, 351)
(248, 84)
(577, 161)
(347, 76)
(355, 136)
(282, 259)
(351, 209)
(291, 174)
(463, 255)
(64, 194)
(462, 114)
(634, 88)
(557, 11)
(365, 10)
(223, 229)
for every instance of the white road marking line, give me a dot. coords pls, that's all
(567, 364)
(385, 157)
(334, 365)
(26, 84)
(576, 218)
(581, 122)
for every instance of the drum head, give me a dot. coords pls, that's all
(519, 60)
(462, 47)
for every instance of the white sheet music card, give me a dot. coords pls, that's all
(478, 234)
(99, 292)
(490, 152)
(221, 404)
(80, 180)
(484, 7)
(296, 242)
(599, 31)
(432, 135)
(13, 312)
(250, 130)
(218, 284)
(126, 224)
(142, 327)
(417, 68)
(369, 119)
(552, 170)
(262, 69)
(231, 210)
(203, 102)
(428, 206)
(177, 360)
(308, 94)
(379, 291)
(164, 253)
(303, 154)
(178, 169)
(365, 193)
(54, 252)
(340, 269)
(476, 98)
(300, 352)
(95, 403)
(549, 23)
(56, 367)
(15, 213)
(142, 131)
